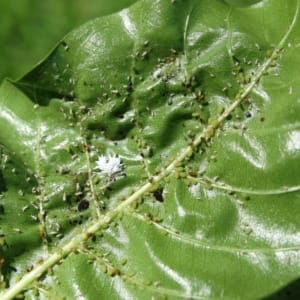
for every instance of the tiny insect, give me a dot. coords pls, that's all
(110, 166)
(83, 205)
(65, 45)
(158, 195)
(248, 114)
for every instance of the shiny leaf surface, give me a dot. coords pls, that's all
(30, 28)
(155, 153)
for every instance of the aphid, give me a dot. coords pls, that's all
(173, 51)
(34, 205)
(34, 218)
(158, 195)
(72, 81)
(65, 45)
(248, 230)
(30, 268)
(115, 92)
(144, 55)
(45, 199)
(83, 205)
(115, 272)
(77, 187)
(110, 166)
(24, 208)
(248, 114)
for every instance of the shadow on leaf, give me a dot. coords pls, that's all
(289, 292)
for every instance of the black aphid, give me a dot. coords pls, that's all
(158, 195)
(248, 114)
(83, 205)
(65, 45)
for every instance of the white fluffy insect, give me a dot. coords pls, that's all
(195, 190)
(110, 166)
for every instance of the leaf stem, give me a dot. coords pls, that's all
(227, 187)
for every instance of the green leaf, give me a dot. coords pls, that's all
(28, 29)
(155, 153)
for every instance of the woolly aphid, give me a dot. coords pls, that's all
(110, 167)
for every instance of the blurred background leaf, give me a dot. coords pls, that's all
(30, 28)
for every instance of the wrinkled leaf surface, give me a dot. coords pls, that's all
(141, 85)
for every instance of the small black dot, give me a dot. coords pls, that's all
(83, 205)
(65, 45)
(158, 195)
(248, 114)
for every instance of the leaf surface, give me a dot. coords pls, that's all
(30, 28)
(199, 100)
